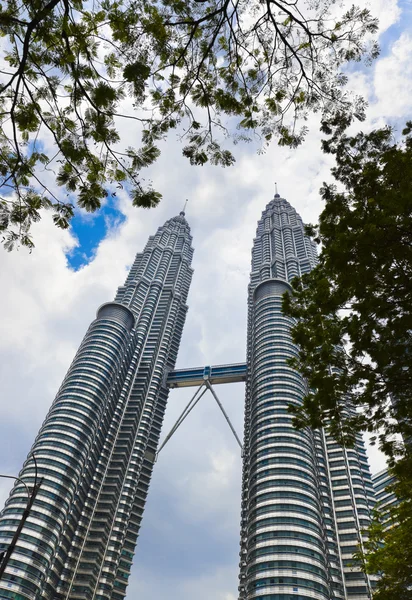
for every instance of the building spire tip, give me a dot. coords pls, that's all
(276, 190)
(182, 212)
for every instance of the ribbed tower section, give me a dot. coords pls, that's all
(290, 527)
(96, 447)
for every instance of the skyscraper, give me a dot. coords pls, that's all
(305, 500)
(96, 447)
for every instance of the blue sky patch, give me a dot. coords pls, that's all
(90, 229)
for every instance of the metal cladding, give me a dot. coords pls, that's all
(217, 374)
(304, 498)
(96, 447)
(382, 483)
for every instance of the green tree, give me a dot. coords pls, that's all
(388, 551)
(354, 324)
(183, 63)
(354, 310)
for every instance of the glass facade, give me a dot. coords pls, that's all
(305, 500)
(96, 447)
(385, 497)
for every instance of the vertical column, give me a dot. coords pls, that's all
(353, 498)
(285, 547)
(67, 449)
(303, 497)
(157, 299)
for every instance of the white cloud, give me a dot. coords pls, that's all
(387, 11)
(213, 585)
(393, 80)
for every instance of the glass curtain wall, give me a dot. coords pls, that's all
(96, 447)
(304, 499)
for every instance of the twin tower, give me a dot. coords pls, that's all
(305, 500)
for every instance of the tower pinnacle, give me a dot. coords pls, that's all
(276, 190)
(182, 212)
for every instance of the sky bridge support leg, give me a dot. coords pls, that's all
(225, 414)
(188, 408)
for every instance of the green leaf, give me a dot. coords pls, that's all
(145, 198)
(81, 63)
(137, 71)
(104, 95)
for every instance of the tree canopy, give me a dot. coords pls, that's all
(354, 325)
(388, 549)
(71, 70)
(354, 310)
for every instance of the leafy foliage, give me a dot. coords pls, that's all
(183, 63)
(354, 328)
(388, 551)
(355, 308)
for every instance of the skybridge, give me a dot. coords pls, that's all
(197, 376)
(204, 378)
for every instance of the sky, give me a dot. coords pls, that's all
(189, 542)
